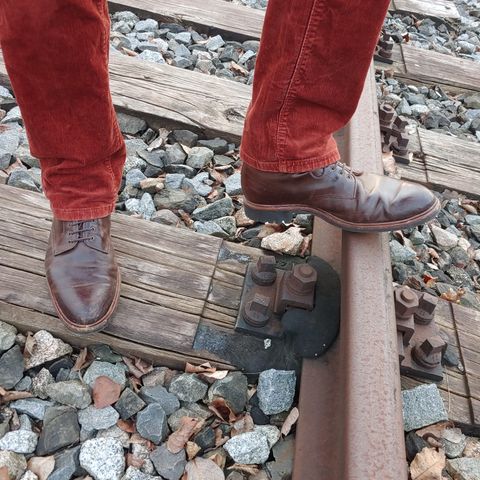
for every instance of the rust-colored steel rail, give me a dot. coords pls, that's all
(350, 425)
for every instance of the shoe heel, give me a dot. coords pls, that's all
(271, 216)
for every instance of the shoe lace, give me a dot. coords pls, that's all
(343, 169)
(78, 231)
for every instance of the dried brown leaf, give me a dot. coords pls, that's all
(7, 397)
(105, 392)
(132, 367)
(42, 467)
(203, 469)
(428, 465)
(81, 360)
(240, 467)
(178, 439)
(290, 421)
(126, 425)
(220, 408)
(29, 345)
(134, 461)
(135, 383)
(143, 366)
(219, 459)
(192, 449)
(219, 438)
(203, 368)
(4, 475)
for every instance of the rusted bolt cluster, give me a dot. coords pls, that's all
(406, 302)
(302, 279)
(426, 309)
(392, 128)
(257, 310)
(264, 272)
(429, 353)
(385, 46)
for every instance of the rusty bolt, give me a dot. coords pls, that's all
(399, 124)
(264, 272)
(406, 302)
(257, 311)
(426, 309)
(387, 113)
(302, 279)
(429, 353)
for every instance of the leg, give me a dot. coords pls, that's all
(313, 60)
(56, 53)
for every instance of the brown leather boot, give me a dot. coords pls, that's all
(83, 276)
(354, 201)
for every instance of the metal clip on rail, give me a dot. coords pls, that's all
(301, 304)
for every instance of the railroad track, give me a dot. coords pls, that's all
(350, 400)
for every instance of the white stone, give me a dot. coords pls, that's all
(103, 458)
(45, 349)
(19, 441)
(288, 242)
(248, 448)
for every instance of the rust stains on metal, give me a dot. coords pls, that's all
(350, 400)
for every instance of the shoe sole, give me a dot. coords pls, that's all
(99, 324)
(286, 213)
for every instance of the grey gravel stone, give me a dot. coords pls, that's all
(177, 199)
(40, 383)
(159, 394)
(169, 465)
(174, 180)
(165, 217)
(92, 418)
(7, 336)
(248, 448)
(60, 429)
(134, 177)
(19, 441)
(73, 393)
(198, 184)
(472, 219)
(218, 145)
(22, 179)
(175, 154)
(214, 43)
(99, 369)
(199, 157)
(143, 453)
(11, 367)
(185, 137)
(464, 468)
(401, 253)
(46, 348)
(33, 407)
(151, 56)
(16, 464)
(9, 141)
(24, 385)
(220, 208)
(283, 453)
(103, 458)
(233, 185)
(233, 389)
(130, 124)
(66, 464)
(152, 423)
(148, 25)
(188, 388)
(129, 404)
(193, 410)
(276, 390)
(210, 228)
(133, 473)
(270, 431)
(5, 93)
(228, 225)
(454, 442)
(443, 238)
(147, 207)
(117, 433)
(422, 406)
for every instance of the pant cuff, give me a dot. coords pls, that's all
(294, 165)
(83, 213)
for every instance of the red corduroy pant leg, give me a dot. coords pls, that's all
(56, 53)
(311, 68)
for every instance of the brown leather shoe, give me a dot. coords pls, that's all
(354, 201)
(83, 276)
